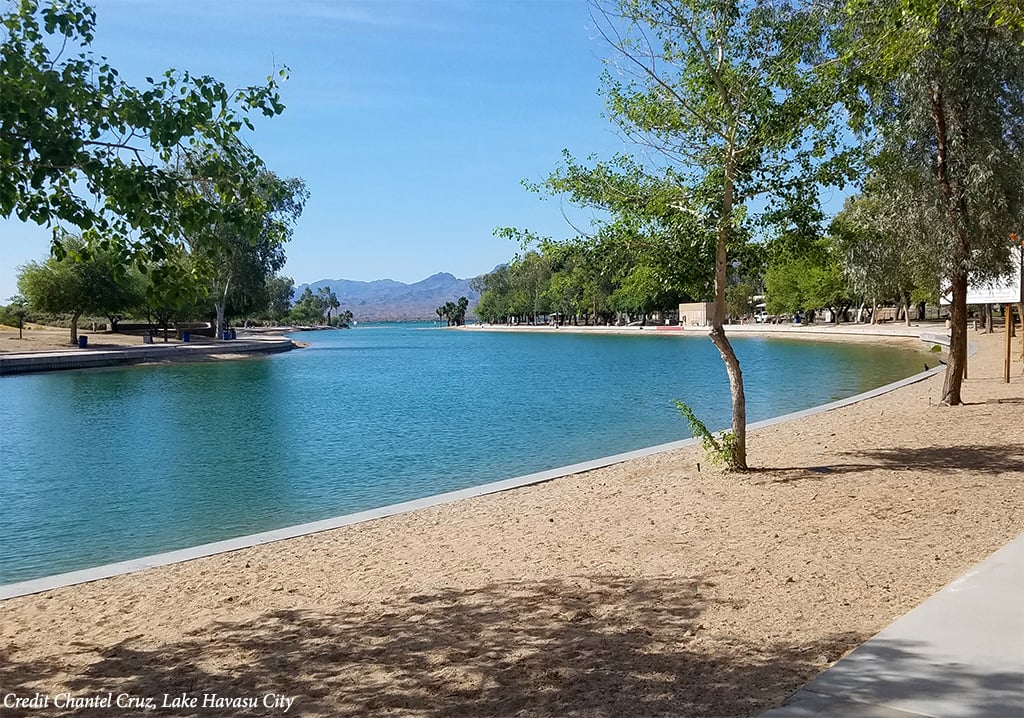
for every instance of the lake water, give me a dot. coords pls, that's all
(105, 465)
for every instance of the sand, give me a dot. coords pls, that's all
(39, 337)
(647, 588)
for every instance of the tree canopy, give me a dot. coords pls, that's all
(937, 90)
(81, 148)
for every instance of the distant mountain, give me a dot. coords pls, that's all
(388, 300)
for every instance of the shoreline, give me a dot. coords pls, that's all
(189, 553)
(650, 587)
(106, 355)
(841, 332)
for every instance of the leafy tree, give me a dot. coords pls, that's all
(237, 254)
(721, 89)
(638, 293)
(173, 289)
(804, 275)
(280, 292)
(309, 308)
(79, 282)
(939, 86)
(127, 294)
(885, 256)
(739, 298)
(328, 300)
(81, 147)
(454, 312)
(13, 315)
(343, 319)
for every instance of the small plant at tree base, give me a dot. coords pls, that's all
(719, 449)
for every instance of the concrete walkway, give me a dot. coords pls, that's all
(73, 358)
(960, 654)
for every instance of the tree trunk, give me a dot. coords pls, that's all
(721, 341)
(74, 327)
(988, 318)
(957, 341)
(961, 256)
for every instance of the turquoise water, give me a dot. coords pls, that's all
(105, 465)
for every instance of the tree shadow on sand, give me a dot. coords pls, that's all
(579, 646)
(979, 459)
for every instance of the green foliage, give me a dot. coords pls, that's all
(316, 308)
(280, 291)
(328, 301)
(237, 254)
(739, 299)
(454, 312)
(938, 88)
(173, 289)
(804, 281)
(81, 147)
(719, 449)
(83, 281)
(308, 309)
(887, 256)
(14, 313)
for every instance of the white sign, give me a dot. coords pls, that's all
(1001, 291)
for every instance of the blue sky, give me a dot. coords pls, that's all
(413, 123)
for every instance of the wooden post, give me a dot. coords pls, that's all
(1008, 319)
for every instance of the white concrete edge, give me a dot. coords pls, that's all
(60, 580)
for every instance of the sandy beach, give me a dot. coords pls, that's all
(648, 588)
(39, 338)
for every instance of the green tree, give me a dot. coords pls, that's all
(309, 308)
(722, 90)
(127, 295)
(242, 249)
(79, 282)
(280, 292)
(81, 147)
(939, 86)
(885, 256)
(13, 315)
(173, 289)
(739, 299)
(328, 300)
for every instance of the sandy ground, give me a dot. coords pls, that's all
(648, 588)
(38, 337)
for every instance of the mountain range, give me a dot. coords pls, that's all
(385, 300)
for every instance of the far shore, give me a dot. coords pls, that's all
(658, 586)
(898, 334)
(913, 329)
(42, 348)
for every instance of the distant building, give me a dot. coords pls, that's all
(696, 314)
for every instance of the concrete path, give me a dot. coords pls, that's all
(960, 654)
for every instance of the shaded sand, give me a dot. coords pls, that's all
(642, 589)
